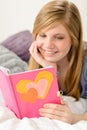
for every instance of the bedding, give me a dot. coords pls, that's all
(14, 54)
(19, 43)
(8, 121)
(11, 61)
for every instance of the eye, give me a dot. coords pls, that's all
(59, 37)
(42, 35)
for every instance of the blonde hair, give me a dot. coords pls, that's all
(68, 14)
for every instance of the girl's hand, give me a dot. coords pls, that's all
(57, 111)
(34, 51)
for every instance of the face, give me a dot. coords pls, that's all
(54, 44)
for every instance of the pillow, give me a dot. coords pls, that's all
(11, 61)
(19, 43)
(78, 107)
(85, 47)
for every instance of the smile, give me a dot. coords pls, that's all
(49, 53)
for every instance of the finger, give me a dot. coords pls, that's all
(51, 111)
(59, 94)
(31, 49)
(35, 49)
(51, 116)
(57, 107)
(59, 115)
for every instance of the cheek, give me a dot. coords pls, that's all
(39, 41)
(65, 46)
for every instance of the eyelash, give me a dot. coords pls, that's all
(42, 35)
(59, 38)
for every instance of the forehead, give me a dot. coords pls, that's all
(55, 28)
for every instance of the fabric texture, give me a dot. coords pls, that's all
(83, 81)
(9, 121)
(19, 43)
(14, 55)
(11, 61)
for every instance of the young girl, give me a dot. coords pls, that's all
(57, 42)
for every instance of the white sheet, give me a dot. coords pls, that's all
(8, 121)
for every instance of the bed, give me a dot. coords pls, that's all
(14, 55)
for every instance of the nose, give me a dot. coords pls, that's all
(49, 43)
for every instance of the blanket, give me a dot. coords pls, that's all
(8, 121)
(11, 61)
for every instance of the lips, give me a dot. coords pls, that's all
(48, 53)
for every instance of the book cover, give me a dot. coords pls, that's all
(25, 92)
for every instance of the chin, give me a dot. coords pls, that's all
(50, 60)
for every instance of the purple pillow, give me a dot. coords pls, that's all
(19, 43)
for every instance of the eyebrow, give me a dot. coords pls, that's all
(54, 34)
(59, 34)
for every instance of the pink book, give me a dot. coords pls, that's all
(26, 92)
